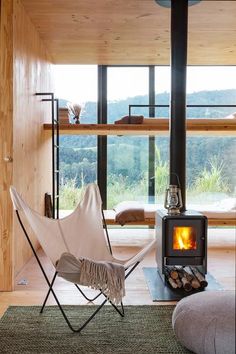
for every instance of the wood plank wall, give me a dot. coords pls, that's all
(6, 148)
(32, 154)
(30, 71)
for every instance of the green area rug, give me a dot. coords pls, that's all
(144, 329)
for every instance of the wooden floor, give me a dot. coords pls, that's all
(125, 242)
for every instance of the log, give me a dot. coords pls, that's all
(178, 282)
(200, 277)
(169, 279)
(188, 275)
(195, 283)
(191, 277)
(173, 273)
(186, 283)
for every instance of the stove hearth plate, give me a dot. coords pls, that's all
(161, 291)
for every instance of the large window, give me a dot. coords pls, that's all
(127, 156)
(161, 152)
(135, 162)
(78, 153)
(211, 182)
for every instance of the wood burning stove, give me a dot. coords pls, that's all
(181, 241)
(181, 234)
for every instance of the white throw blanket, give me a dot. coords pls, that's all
(108, 277)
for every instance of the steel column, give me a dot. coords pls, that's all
(151, 139)
(102, 140)
(179, 29)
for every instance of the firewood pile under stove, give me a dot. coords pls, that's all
(186, 278)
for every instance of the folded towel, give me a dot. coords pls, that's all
(108, 277)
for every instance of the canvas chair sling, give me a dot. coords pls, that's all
(80, 234)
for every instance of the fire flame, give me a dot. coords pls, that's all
(184, 238)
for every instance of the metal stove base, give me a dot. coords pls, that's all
(161, 291)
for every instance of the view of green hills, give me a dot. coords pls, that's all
(211, 162)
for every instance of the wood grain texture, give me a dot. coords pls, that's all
(24, 69)
(6, 148)
(160, 126)
(32, 158)
(132, 32)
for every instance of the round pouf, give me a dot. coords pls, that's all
(205, 322)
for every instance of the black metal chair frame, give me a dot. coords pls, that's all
(50, 284)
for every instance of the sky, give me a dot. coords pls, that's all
(78, 83)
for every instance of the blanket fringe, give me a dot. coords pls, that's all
(107, 276)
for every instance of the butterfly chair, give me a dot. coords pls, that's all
(82, 235)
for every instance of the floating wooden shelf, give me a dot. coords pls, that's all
(151, 222)
(160, 126)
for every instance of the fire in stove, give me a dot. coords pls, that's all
(184, 238)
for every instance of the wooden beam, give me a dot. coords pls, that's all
(6, 138)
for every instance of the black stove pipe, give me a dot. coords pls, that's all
(179, 31)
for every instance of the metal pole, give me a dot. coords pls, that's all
(57, 158)
(53, 143)
(151, 139)
(179, 29)
(102, 140)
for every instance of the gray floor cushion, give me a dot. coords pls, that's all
(205, 322)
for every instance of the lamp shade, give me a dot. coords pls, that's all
(167, 3)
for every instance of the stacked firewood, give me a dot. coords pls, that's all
(187, 278)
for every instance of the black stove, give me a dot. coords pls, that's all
(181, 240)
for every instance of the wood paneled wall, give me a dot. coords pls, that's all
(30, 71)
(6, 148)
(32, 154)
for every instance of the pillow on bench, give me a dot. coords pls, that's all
(128, 212)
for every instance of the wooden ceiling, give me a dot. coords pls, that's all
(131, 31)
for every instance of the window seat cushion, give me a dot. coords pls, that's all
(144, 214)
(126, 212)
